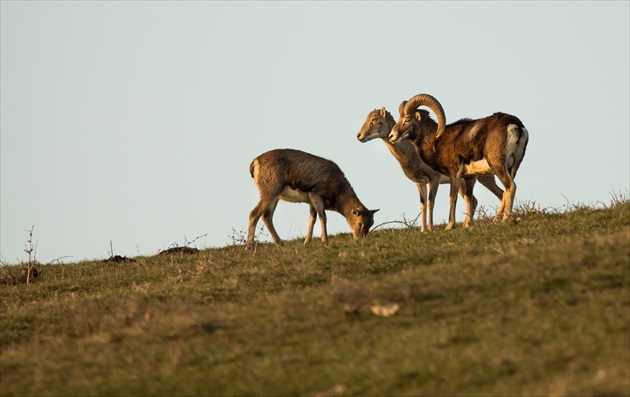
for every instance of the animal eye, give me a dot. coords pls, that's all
(373, 121)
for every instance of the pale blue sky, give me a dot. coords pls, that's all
(136, 122)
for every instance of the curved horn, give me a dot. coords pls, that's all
(433, 104)
(401, 108)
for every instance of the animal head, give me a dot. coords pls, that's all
(360, 221)
(378, 124)
(414, 122)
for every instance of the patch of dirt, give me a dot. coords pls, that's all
(119, 259)
(179, 250)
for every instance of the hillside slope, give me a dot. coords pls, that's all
(538, 306)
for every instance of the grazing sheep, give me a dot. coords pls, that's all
(300, 177)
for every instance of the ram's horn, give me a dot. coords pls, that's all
(401, 108)
(430, 102)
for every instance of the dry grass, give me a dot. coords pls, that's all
(538, 306)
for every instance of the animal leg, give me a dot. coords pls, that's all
(268, 219)
(422, 190)
(471, 201)
(318, 203)
(311, 224)
(261, 208)
(490, 183)
(453, 199)
(434, 183)
(461, 188)
(505, 209)
(254, 216)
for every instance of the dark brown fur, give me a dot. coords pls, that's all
(462, 142)
(456, 145)
(379, 124)
(321, 183)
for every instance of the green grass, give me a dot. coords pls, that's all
(538, 306)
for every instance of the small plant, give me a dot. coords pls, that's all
(528, 208)
(619, 198)
(30, 272)
(182, 249)
(116, 258)
(111, 249)
(484, 214)
(579, 206)
(240, 237)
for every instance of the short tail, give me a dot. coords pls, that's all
(252, 166)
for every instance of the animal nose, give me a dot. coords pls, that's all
(359, 136)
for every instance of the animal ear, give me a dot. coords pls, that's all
(423, 114)
(383, 112)
(372, 212)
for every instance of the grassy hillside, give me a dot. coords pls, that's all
(538, 306)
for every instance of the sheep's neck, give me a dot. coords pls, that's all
(425, 147)
(346, 202)
(407, 157)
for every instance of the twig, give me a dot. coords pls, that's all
(31, 254)
(29, 245)
(387, 223)
(58, 259)
(405, 222)
(186, 242)
(195, 239)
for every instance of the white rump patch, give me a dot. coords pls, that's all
(513, 149)
(294, 195)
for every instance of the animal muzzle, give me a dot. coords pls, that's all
(359, 235)
(393, 137)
